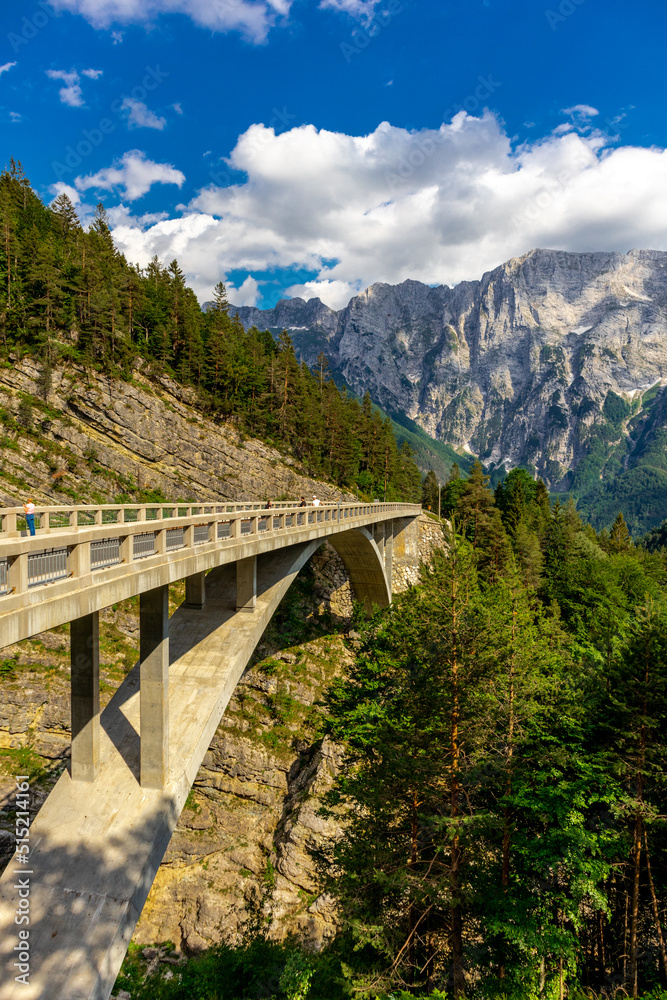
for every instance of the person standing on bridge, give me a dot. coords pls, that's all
(303, 502)
(316, 502)
(29, 511)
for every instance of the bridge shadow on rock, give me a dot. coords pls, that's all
(84, 902)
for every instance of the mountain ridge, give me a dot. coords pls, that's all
(555, 360)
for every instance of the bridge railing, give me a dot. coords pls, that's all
(96, 538)
(49, 518)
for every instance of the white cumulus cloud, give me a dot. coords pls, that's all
(581, 111)
(439, 205)
(361, 10)
(133, 175)
(253, 18)
(61, 188)
(140, 116)
(70, 93)
(247, 293)
(6, 67)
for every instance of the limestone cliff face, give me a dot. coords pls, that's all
(94, 438)
(516, 367)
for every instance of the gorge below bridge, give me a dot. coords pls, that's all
(95, 846)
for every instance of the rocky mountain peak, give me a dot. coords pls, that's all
(516, 367)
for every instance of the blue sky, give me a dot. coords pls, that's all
(314, 146)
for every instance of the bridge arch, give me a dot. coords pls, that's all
(368, 568)
(98, 844)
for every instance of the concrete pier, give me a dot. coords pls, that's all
(195, 590)
(154, 686)
(85, 682)
(246, 584)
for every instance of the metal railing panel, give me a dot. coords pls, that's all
(175, 538)
(263, 524)
(59, 519)
(276, 522)
(224, 529)
(47, 566)
(246, 526)
(200, 533)
(144, 544)
(4, 576)
(105, 552)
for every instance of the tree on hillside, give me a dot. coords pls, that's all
(430, 490)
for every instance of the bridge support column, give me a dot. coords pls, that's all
(388, 551)
(154, 686)
(195, 590)
(85, 682)
(378, 535)
(246, 584)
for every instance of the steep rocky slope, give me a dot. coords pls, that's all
(92, 439)
(554, 360)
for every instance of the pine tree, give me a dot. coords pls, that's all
(430, 491)
(619, 538)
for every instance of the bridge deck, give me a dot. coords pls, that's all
(28, 607)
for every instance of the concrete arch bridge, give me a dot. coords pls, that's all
(73, 892)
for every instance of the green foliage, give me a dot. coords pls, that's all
(621, 473)
(295, 978)
(428, 452)
(615, 409)
(260, 970)
(505, 728)
(430, 491)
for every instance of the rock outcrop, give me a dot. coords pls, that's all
(94, 438)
